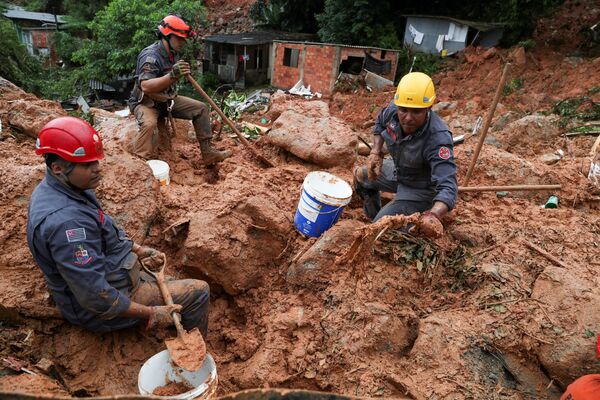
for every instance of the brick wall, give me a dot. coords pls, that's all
(285, 77)
(318, 65)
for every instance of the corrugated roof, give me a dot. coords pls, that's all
(335, 45)
(480, 26)
(16, 12)
(257, 37)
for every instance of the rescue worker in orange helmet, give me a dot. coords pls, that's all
(91, 268)
(154, 94)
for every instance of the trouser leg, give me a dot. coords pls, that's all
(192, 294)
(403, 207)
(370, 191)
(197, 112)
(146, 141)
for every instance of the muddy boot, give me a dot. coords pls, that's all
(210, 155)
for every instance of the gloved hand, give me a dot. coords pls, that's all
(161, 316)
(179, 69)
(152, 258)
(374, 164)
(428, 225)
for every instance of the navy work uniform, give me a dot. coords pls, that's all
(420, 171)
(153, 62)
(88, 264)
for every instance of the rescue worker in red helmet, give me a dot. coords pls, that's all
(154, 95)
(91, 268)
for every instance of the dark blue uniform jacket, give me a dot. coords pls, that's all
(424, 161)
(152, 62)
(84, 256)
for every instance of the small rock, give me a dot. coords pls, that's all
(550, 158)
(501, 194)
(518, 56)
(45, 365)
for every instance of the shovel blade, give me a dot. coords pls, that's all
(188, 350)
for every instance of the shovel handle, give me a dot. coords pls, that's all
(164, 290)
(244, 141)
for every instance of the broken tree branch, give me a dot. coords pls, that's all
(545, 254)
(488, 121)
(507, 188)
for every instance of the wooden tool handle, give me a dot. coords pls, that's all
(244, 141)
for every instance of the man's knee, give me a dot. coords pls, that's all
(360, 174)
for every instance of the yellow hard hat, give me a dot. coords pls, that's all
(415, 90)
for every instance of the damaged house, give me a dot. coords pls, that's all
(445, 35)
(243, 58)
(319, 65)
(35, 29)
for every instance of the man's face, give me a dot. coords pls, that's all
(411, 119)
(86, 175)
(177, 43)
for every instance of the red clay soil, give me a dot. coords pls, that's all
(475, 314)
(172, 388)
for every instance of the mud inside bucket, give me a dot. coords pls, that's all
(158, 371)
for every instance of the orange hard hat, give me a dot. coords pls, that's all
(174, 25)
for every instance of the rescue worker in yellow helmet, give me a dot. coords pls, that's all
(421, 169)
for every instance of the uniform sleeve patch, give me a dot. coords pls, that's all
(75, 235)
(150, 60)
(81, 256)
(444, 153)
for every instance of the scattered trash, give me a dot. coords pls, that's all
(594, 174)
(501, 194)
(85, 108)
(376, 81)
(123, 113)
(552, 202)
(300, 90)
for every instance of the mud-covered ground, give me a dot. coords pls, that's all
(475, 314)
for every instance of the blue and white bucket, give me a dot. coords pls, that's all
(323, 199)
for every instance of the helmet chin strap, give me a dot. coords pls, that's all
(63, 176)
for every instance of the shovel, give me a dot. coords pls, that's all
(188, 349)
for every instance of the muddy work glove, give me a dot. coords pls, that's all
(374, 164)
(180, 69)
(161, 316)
(428, 225)
(151, 258)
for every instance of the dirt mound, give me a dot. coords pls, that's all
(476, 314)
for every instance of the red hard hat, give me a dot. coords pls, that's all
(71, 138)
(173, 25)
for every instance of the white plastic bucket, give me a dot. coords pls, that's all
(160, 170)
(158, 371)
(323, 199)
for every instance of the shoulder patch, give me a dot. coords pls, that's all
(444, 153)
(75, 235)
(81, 256)
(150, 59)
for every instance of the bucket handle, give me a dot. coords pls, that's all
(329, 212)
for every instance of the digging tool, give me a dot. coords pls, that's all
(507, 188)
(244, 141)
(488, 121)
(188, 349)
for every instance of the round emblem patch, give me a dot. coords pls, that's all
(444, 153)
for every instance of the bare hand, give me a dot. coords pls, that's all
(374, 164)
(161, 316)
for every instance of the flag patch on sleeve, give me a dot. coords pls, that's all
(444, 153)
(75, 235)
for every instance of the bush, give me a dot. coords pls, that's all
(427, 63)
(17, 65)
